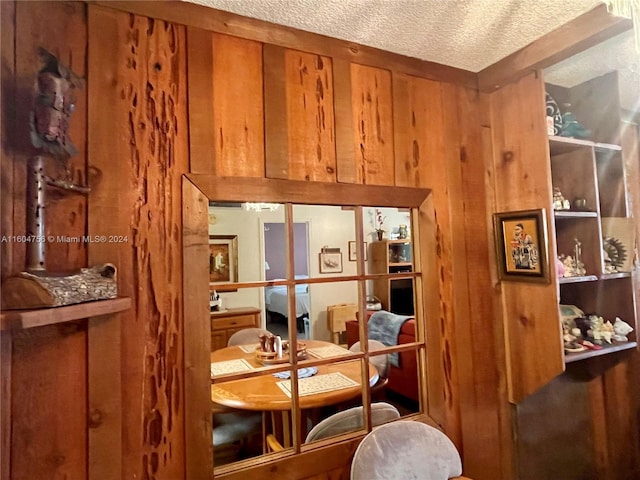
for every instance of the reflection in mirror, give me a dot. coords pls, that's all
(251, 391)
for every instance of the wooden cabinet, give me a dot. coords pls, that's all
(227, 322)
(597, 227)
(393, 256)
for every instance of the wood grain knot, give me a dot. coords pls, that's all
(525, 321)
(507, 156)
(95, 418)
(463, 154)
(354, 49)
(157, 66)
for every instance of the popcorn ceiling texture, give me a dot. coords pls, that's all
(468, 34)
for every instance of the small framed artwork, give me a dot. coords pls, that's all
(330, 260)
(521, 246)
(352, 251)
(223, 259)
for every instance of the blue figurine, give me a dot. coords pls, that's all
(572, 128)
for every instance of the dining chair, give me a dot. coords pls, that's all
(337, 316)
(345, 421)
(246, 336)
(408, 450)
(381, 362)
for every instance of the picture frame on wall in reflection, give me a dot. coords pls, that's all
(521, 246)
(223, 259)
(352, 251)
(330, 260)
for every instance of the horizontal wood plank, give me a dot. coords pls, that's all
(583, 32)
(237, 189)
(21, 319)
(250, 28)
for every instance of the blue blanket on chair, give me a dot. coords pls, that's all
(385, 327)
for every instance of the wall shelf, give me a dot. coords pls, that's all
(22, 319)
(586, 278)
(605, 350)
(570, 214)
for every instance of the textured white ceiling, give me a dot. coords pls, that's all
(468, 34)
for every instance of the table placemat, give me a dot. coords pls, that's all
(248, 348)
(230, 366)
(328, 351)
(318, 384)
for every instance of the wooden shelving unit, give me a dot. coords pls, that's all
(22, 319)
(592, 170)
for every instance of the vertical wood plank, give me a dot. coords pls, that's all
(8, 119)
(522, 181)
(343, 108)
(104, 351)
(372, 125)
(310, 117)
(483, 410)
(275, 113)
(201, 139)
(418, 128)
(197, 334)
(5, 406)
(238, 110)
(55, 356)
(139, 82)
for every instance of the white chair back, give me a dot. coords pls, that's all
(406, 450)
(246, 336)
(381, 362)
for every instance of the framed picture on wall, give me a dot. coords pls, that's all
(352, 251)
(521, 246)
(223, 259)
(330, 260)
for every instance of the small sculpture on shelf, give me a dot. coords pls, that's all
(614, 254)
(621, 330)
(559, 202)
(601, 330)
(571, 127)
(573, 266)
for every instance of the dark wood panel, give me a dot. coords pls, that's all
(250, 28)
(372, 125)
(238, 110)
(596, 104)
(140, 85)
(310, 117)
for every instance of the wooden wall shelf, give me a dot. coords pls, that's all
(559, 145)
(569, 214)
(618, 347)
(586, 278)
(21, 319)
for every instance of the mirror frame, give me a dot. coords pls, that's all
(197, 190)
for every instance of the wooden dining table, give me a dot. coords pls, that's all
(263, 393)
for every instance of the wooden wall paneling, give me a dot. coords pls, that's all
(344, 127)
(553, 432)
(287, 37)
(522, 180)
(482, 408)
(197, 338)
(418, 128)
(622, 409)
(310, 117)
(275, 113)
(139, 82)
(104, 351)
(200, 90)
(8, 121)
(48, 424)
(599, 456)
(238, 110)
(373, 125)
(583, 32)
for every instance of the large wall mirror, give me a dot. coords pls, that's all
(313, 303)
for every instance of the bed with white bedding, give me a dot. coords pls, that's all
(276, 301)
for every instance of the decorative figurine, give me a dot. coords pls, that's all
(571, 127)
(621, 329)
(402, 231)
(614, 254)
(559, 202)
(553, 111)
